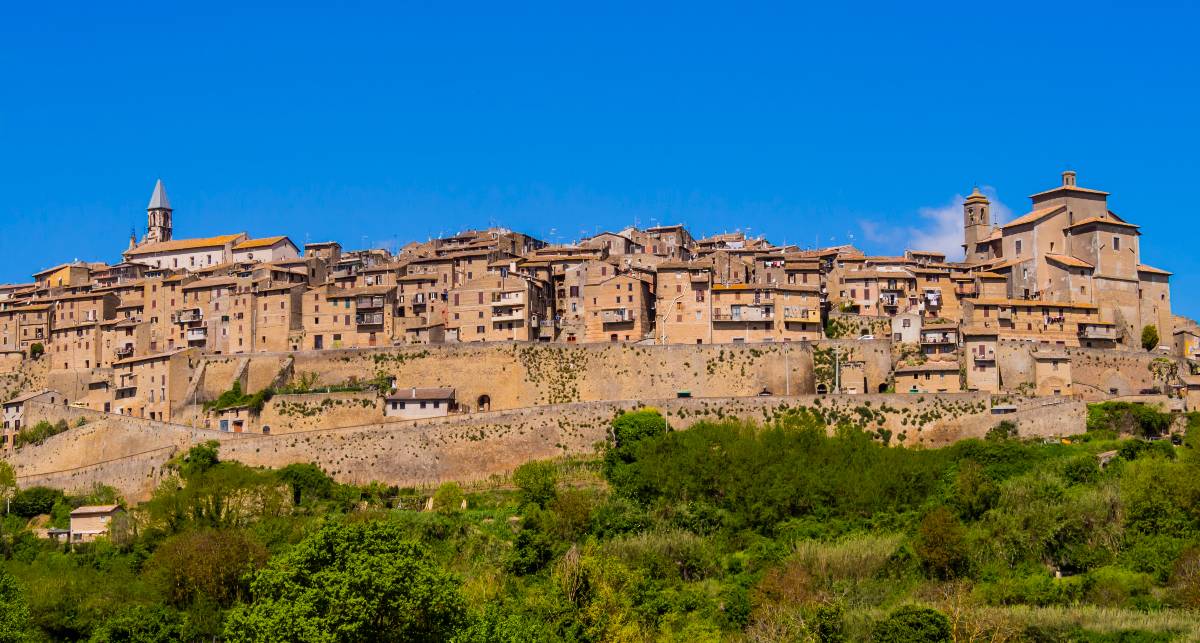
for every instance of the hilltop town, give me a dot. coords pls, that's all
(132, 338)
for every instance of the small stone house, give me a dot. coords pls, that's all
(92, 521)
(418, 403)
(930, 377)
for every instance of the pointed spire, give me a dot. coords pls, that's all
(158, 200)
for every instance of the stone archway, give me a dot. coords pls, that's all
(822, 389)
(484, 403)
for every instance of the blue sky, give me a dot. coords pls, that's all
(394, 121)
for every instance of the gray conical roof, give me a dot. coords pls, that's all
(158, 200)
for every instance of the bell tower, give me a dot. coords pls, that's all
(977, 224)
(158, 215)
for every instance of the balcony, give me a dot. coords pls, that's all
(984, 356)
(939, 338)
(966, 290)
(933, 298)
(370, 303)
(123, 352)
(1098, 331)
(369, 319)
(745, 314)
(807, 315)
(197, 334)
(508, 314)
(890, 301)
(187, 316)
(1005, 314)
(508, 298)
(617, 316)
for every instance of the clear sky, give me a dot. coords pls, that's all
(811, 123)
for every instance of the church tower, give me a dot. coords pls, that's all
(158, 215)
(977, 223)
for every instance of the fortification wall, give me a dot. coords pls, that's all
(476, 446)
(307, 412)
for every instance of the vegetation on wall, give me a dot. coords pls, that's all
(1149, 337)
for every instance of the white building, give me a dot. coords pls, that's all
(417, 403)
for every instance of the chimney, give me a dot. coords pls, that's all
(1069, 178)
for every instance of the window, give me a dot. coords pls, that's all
(1018, 250)
(1116, 242)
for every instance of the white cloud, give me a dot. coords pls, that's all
(941, 227)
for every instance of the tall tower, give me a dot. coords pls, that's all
(158, 215)
(977, 223)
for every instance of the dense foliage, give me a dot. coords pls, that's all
(725, 531)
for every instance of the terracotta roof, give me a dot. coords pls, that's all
(929, 366)
(1035, 303)
(413, 393)
(28, 396)
(1033, 216)
(986, 274)
(265, 242)
(1069, 188)
(88, 510)
(1049, 354)
(211, 282)
(1151, 269)
(184, 244)
(1069, 261)
(1092, 220)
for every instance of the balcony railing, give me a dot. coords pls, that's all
(369, 319)
(508, 298)
(124, 351)
(187, 316)
(801, 314)
(1005, 314)
(197, 334)
(617, 316)
(966, 290)
(943, 338)
(745, 314)
(1098, 332)
(370, 303)
(512, 314)
(988, 355)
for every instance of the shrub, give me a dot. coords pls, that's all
(306, 479)
(205, 565)
(536, 483)
(1149, 337)
(913, 625)
(941, 544)
(36, 350)
(35, 501)
(448, 499)
(1005, 430)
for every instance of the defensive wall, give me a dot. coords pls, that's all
(130, 453)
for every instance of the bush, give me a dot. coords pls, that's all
(536, 483)
(205, 565)
(1005, 430)
(1127, 418)
(36, 350)
(143, 624)
(35, 501)
(306, 480)
(1149, 337)
(913, 625)
(448, 499)
(941, 544)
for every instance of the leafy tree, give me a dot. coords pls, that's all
(629, 430)
(36, 350)
(206, 565)
(941, 544)
(200, 458)
(974, 491)
(35, 501)
(144, 624)
(14, 612)
(8, 482)
(448, 498)
(351, 582)
(537, 483)
(306, 479)
(1149, 337)
(912, 624)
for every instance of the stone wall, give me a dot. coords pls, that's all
(292, 413)
(113, 449)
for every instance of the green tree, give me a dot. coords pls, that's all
(1149, 337)
(14, 612)
(629, 430)
(35, 501)
(208, 565)
(144, 624)
(912, 624)
(36, 350)
(8, 483)
(448, 499)
(200, 458)
(351, 582)
(306, 480)
(941, 544)
(537, 483)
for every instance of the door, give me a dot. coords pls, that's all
(319, 342)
